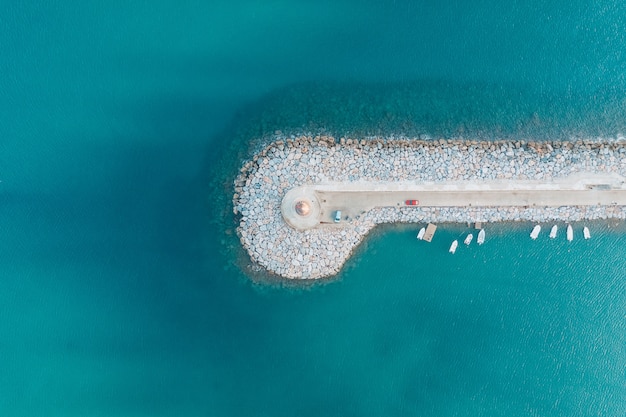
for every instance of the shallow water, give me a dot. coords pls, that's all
(123, 290)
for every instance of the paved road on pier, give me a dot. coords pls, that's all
(353, 199)
(353, 203)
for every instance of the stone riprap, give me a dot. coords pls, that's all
(321, 251)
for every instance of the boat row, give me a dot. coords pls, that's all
(533, 235)
(468, 239)
(553, 232)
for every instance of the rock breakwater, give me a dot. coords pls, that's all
(321, 251)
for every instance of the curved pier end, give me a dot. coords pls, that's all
(288, 193)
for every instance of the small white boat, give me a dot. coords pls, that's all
(553, 231)
(586, 233)
(570, 233)
(453, 246)
(535, 232)
(481, 237)
(420, 234)
(468, 239)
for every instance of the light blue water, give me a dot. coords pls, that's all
(123, 290)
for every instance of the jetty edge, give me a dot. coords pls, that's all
(287, 195)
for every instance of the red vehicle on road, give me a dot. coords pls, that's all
(412, 202)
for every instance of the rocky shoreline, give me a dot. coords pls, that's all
(320, 252)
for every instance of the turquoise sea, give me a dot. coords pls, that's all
(124, 290)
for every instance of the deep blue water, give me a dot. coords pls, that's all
(123, 290)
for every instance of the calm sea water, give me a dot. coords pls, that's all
(123, 290)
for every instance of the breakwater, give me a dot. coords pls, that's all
(321, 247)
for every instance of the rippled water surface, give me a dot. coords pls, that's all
(124, 291)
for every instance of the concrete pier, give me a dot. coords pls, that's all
(354, 199)
(286, 197)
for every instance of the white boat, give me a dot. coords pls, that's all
(586, 233)
(570, 233)
(535, 232)
(481, 237)
(420, 235)
(553, 231)
(468, 239)
(453, 246)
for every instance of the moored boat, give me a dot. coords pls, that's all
(453, 246)
(586, 233)
(570, 233)
(420, 234)
(553, 231)
(535, 232)
(468, 239)
(481, 237)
